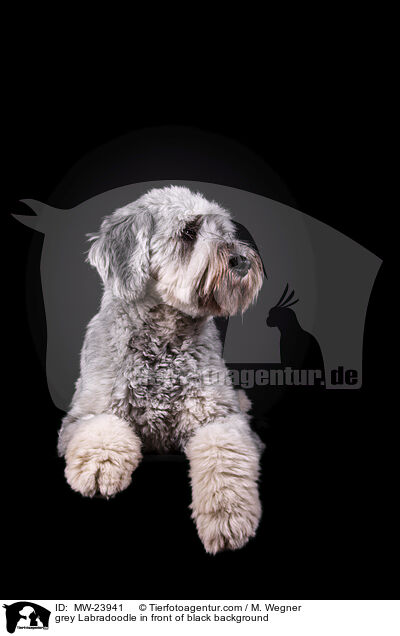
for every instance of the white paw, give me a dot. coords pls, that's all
(224, 468)
(228, 530)
(101, 456)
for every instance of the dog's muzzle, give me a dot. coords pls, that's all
(239, 264)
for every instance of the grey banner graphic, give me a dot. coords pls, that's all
(331, 275)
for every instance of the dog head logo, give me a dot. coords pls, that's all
(26, 615)
(332, 275)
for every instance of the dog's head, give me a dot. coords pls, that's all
(176, 246)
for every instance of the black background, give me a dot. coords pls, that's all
(327, 485)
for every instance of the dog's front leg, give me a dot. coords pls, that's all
(224, 467)
(101, 454)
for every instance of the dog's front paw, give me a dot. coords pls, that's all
(222, 530)
(224, 467)
(98, 471)
(227, 519)
(101, 456)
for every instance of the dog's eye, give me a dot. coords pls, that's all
(189, 233)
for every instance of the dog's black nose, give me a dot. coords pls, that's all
(239, 264)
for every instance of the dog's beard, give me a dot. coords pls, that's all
(223, 292)
(205, 284)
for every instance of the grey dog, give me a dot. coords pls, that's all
(152, 374)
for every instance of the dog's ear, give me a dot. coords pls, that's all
(121, 252)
